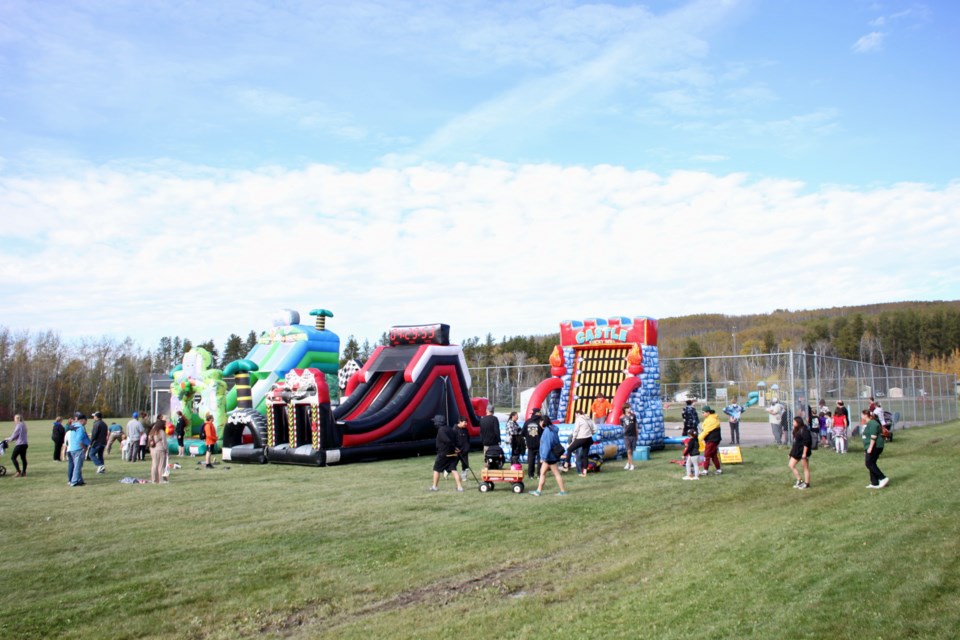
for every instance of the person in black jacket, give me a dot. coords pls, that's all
(180, 430)
(690, 418)
(463, 446)
(98, 441)
(489, 432)
(448, 453)
(531, 434)
(800, 452)
(57, 435)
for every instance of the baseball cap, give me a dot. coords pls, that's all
(136, 414)
(97, 415)
(707, 408)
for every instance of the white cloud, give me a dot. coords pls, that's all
(873, 41)
(486, 247)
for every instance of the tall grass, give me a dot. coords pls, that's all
(364, 551)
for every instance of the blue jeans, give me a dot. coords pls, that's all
(96, 454)
(75, 467)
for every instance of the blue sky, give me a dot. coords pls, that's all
(425, 152)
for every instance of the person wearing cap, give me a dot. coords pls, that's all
(114, 434)
(98, 440)
(776, 411)
(19, 441)
(489, 432)
(531, 435)
(77, 443)
(710, 437)
(448, 453)
(58, 434)
(134, 431)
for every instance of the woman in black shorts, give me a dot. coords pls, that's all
(800, 452)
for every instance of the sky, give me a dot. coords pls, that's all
(189, 168)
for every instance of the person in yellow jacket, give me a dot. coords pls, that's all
(710, 438)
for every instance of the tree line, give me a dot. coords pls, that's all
(43, 376)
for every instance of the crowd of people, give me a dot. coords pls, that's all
(538, 438)
(73, 443)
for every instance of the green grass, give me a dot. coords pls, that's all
(363, 551)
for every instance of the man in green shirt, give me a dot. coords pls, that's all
(873, 447)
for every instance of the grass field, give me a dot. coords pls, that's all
(363, 551)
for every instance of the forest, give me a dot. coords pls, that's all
(42, 375)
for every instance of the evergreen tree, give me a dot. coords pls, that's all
(250, 342)
(351, 350)
(232, 350)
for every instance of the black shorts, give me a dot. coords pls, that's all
(443, 463)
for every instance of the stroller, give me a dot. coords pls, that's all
(3, 447)
(494, 457)
(495, 473)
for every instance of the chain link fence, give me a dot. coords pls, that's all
(796, 378)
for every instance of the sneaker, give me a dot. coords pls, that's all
(101, 469)
(802, 485)
(631, 467)
(796, 485)
(561, 493)
(694, 477)
(626, 467)
(535, 493)
(460, 489)
(446, 474)
(719, 472)
(687, 478)
(873, 486)
(433, 489)
(463, 475)
(209, 466)
(884, 483)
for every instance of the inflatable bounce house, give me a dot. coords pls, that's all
(284, 350)
(387, 410)
(197, 389)
(616, 357)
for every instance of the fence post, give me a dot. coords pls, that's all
(706, 390)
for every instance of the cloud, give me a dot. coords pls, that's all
(486, 247)
(869, 43)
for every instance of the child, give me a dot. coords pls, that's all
(824, 423)
(691, 455)
(839, 431)
(142, 447)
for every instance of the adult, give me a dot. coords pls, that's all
(776, 411)
(77, 443)
(210, 439)
(710, 436)
(628, 421)
(600, 408)
(878, 415)
(114, 434)
(800, 452)
(580, 441)
(734, 411)
(57, 434)
(134, 431)
(531, 436)
(515, 433)
(98, 440)
(690, 419)
(447, 453)
(180, 430)
(872, 448)
(157, 439)
(19, 441)
(548, 457)
(489, 432)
